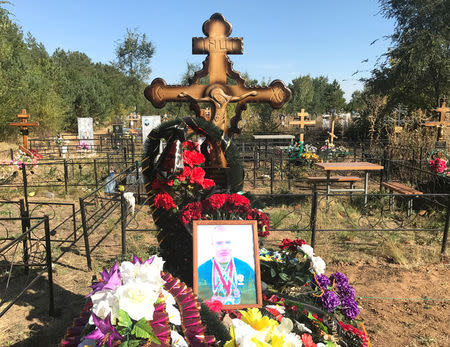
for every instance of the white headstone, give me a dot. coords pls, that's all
(86, 131)
(148, 124)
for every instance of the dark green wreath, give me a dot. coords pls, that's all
(175, 241)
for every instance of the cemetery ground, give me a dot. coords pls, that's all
(400, 278)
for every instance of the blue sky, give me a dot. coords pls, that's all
(282, 39)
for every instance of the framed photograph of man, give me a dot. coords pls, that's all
(226, 262)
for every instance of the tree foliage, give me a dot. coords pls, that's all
(134, 54)
(416, 69)
(315, 95)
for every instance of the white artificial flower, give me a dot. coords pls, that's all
(128, 271)
(243, 333)
(292, 340)
(146, 273)
(318, 265)
(284, 328)
(302, 328)
(103, 303)
(138, 299)
(150, 274)
(308, 250)
(320, 344)
(177, 339)
(172, 311)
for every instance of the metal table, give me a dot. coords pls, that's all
(349, 166)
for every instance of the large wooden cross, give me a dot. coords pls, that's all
(332, 136)
(441, 124)
(218, 67)
(24, 124)
(300, 120)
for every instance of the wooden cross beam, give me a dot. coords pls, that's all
(300, 120)
(23, 124)
(332, 136)
(442, 123)
(217, 44)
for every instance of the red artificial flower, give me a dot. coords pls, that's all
(273, 299)
(197, 175)
(291, 244)
(239, 200)
(164, 200)
(193, 158)
(262, 219)
(308, 340)
(191, 211)
(361, 334)
(186, 172)
(214, 305)
(216, 201)
(208, 183)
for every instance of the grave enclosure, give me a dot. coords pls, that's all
(86, 213)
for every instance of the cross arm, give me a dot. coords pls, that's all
(276, 93)
(159, 93)
(435, 124)
(25, 124)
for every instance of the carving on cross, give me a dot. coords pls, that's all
(23, 124)
(217, 44)
(300, 120)
(441, 124)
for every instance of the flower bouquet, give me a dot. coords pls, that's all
(311, 158)
(438, 161)
(83, 146)
(136, 304)
(181, 194)
(325, 306)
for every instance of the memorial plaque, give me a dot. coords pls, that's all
(148, 124)
(86, 131)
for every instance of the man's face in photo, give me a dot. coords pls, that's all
(222, 246)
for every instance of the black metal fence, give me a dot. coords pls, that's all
(100, 204)
(318, 215)
(20, 272)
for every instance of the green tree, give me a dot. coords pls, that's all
(134, 54)
(416, 69)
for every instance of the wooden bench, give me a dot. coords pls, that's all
(323, 179)
(401, 189)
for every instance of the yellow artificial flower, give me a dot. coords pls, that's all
(265, 257)
(232, 342)
(256, 320)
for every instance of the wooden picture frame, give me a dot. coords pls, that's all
(226, 262)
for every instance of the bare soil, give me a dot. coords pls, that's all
(396, 301)
(401, 305)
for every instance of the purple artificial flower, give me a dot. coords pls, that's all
(330, 300)
(346, 291)
(339, 278)
(110, 280)
(349, 308)
(105, 331)
(323, 281)
(138, 260)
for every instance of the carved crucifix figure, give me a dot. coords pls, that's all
(217, 66)
(220, 101)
